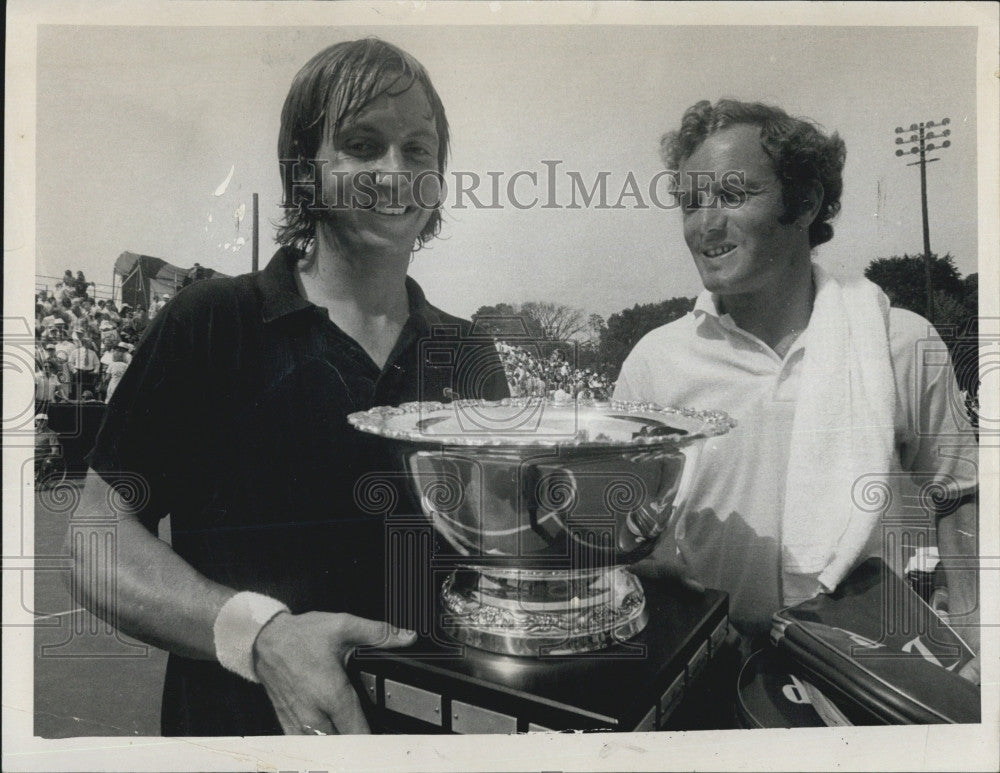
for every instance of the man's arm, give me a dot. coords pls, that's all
(163, 600)
(941, 443)
(958, 548)
(160, 598)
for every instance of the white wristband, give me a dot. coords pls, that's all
(237, 626)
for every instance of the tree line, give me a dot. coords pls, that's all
(955, 305)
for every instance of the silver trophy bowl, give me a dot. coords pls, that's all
(543, 505)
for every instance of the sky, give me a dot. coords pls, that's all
(137, 127)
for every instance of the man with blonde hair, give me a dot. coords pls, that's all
(232, 419)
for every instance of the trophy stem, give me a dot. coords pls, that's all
(536, 612)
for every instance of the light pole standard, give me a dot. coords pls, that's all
(255, 237)
(919, 141)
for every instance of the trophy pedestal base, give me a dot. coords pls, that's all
(439, 686)
(542, 612)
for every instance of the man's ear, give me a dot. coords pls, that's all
(812, 200)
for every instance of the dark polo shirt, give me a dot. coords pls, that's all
(231, 418)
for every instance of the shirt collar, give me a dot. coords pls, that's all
(706, 306)
(707, 303)
(280, 293)
(277, 285)
(422, 314)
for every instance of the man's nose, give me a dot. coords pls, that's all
(711, 219)
(390, 166)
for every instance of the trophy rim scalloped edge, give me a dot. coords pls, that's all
(374, 421)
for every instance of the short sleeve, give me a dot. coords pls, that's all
(939, 439)
(625, 388)
(141, 442)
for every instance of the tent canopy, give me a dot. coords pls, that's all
(143, 275)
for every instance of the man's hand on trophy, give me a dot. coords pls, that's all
(300, 661)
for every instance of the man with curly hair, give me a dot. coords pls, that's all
(825, 381)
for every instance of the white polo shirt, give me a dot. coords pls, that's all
(727, 533)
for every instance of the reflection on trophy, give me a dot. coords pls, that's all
(544, 506)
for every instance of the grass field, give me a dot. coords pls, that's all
(89, 680)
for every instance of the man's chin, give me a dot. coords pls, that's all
(720, 283)
(372, 237)
(715, 284)
(378, 226)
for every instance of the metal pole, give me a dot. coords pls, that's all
(255, 237)
(928, 283)
(922, 141)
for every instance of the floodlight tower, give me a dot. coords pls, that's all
(919, 141)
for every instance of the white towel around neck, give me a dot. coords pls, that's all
(843, 429)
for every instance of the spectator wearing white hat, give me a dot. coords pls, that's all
(109, 334)
(115, 370)
(60, 364)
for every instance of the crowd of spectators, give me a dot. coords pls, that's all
(531, 374)
(84, 345)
